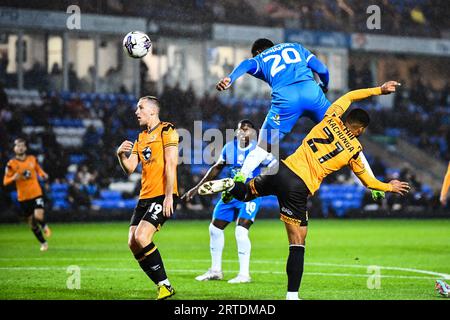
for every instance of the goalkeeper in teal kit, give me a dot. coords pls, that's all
(288, 68)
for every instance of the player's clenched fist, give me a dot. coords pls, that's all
(399, 187)
(223, 84)
(125, 147)
(389, 87)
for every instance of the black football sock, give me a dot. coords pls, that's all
(37, 231)
(239, 191)
(151, 263)
(42, 222)
(294, 267)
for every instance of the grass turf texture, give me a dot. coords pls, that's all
(338, 253)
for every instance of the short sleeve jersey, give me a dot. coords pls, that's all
(28, 184)
(149, 147)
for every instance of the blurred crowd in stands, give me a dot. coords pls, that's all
(403, 17)
(421, 113)
(38, 78)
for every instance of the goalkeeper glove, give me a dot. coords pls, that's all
(377, 195)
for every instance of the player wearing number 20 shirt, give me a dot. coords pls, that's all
(288, 69)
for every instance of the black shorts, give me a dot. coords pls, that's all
(151, 210)
(291, 191)
(28, 206)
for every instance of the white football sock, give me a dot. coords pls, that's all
(292, 296)
(253, 160)
(166, 282)
(216, 244)
(244, 247)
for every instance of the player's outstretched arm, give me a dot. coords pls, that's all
(394, 186)
(376, 194)
(212, 172)
(445, 187)
(130, 163)
(400, 187)
(246, 66)
(358, 167)
(343, 103)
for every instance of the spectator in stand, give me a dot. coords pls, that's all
(36, 77)
(3, 65)
(78, 197)
(91, 138)
(87, 180)
(56, 70)
(444, 95)
(73, 79)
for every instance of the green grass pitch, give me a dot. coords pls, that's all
(411, 254)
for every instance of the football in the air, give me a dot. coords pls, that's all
(137, 44)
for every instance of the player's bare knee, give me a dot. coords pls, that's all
(245, 223)
(297, 240)
(39, 214)
(221, 224)
(296, 234)
(132, 244)
(142, 238)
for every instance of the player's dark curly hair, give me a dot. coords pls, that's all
(260, 45)
(247, 122)
(358, 117)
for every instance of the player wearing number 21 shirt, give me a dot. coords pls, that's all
(156, 148)
(329, 146)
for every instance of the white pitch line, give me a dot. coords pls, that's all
(443, 275)
(327, 274)
(413, 270)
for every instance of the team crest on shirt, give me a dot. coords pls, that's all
(27, 174)
(276, 119)
(147, 153)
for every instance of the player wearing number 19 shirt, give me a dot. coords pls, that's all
(329, 146)
(157, 150)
